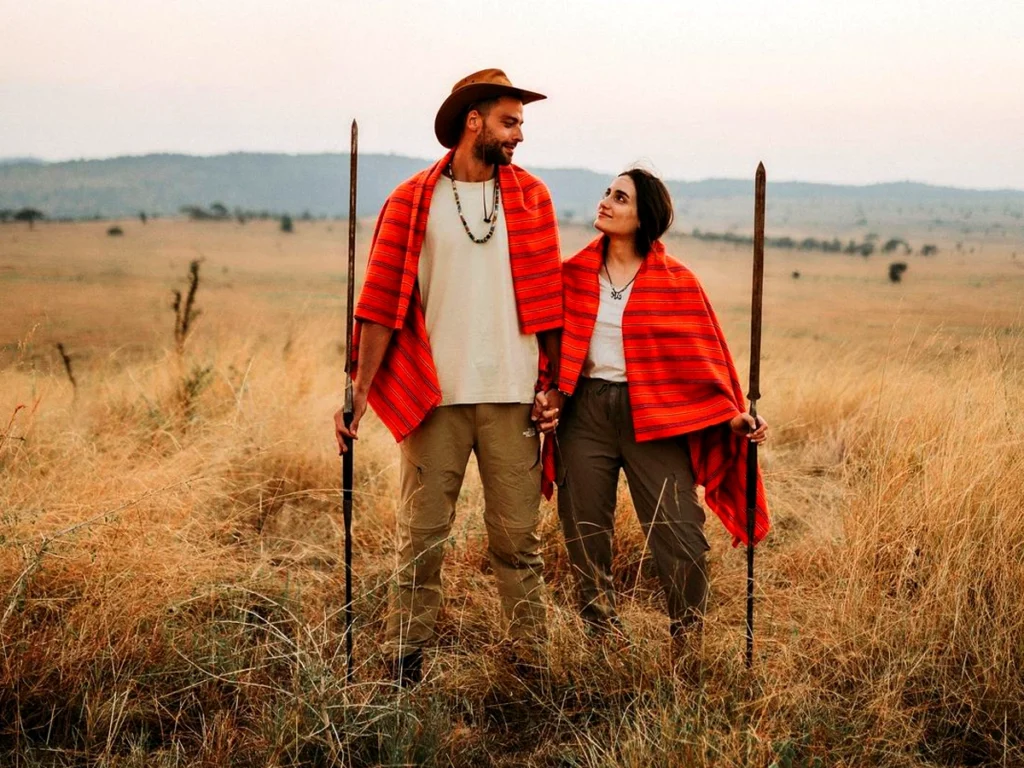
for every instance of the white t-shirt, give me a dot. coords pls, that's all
(605, 356)
(470, 304)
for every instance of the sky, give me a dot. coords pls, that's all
(856, 92)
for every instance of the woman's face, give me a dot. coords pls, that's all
(616, 213)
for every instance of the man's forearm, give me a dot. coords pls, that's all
(373, 344)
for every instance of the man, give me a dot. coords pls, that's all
(460, 309)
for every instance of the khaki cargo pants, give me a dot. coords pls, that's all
(595, 441)
(433, 464)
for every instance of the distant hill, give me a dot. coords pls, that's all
(318, 184)
(20, 161)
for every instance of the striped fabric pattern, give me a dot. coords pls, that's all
(682, 379)
(405, 388)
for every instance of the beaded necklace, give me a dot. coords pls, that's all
(493, 218)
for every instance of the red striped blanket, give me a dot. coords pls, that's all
(405, 388)
(682, 379)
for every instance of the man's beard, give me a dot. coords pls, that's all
(489, 150)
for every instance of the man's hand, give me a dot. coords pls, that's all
(547, 407)
(358, 409)
(372, 348)
(743, 425)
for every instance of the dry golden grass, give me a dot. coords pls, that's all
(171, 572)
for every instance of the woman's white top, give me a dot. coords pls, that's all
(605, 357)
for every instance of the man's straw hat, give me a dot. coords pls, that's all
(482, 85)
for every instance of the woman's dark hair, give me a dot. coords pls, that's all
(653, 208)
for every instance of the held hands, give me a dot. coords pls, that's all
(547, 407)
(358, 409)
(743, 425)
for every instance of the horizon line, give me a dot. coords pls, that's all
(36, 160)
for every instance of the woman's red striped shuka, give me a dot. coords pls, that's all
(405, 388)
(682, 379)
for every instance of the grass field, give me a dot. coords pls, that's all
(170, 533)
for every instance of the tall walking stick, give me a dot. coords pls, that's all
(347, 458)
(753, 395)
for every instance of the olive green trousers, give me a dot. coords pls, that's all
(433, 465)
(596, 441)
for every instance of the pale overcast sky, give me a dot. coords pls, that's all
(852, 92)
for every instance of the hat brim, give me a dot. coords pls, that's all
(446, 124)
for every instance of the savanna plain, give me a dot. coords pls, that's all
(171, 579)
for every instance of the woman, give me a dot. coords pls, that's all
(646, 384)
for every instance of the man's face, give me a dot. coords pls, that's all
(500, 132)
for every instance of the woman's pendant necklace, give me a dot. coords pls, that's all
(618, 293)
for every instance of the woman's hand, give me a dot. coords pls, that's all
(743, 425)
(547, 407)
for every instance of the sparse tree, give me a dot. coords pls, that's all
(31, 215)
(185, 312)
(66, 359)
(929, 250)
(219, 211)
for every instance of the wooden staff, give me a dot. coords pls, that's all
(754, 394)
(347, 458)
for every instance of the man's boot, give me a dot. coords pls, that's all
(407, 670)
